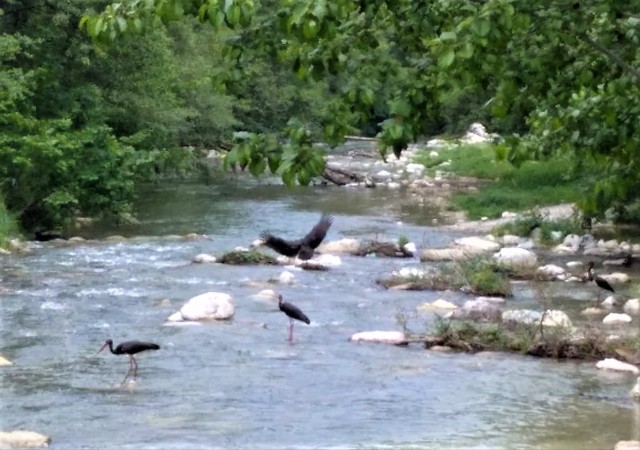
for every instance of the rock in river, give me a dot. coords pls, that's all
(207, 306)
(385, 337)
(23, 439)
(618, 366)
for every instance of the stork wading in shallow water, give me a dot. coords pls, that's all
(302, 248)
(294, 313)
(130, 348)
(600, 282)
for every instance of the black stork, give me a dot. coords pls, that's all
(302, 248)
(130, 348)
(600, 282)
(293, 312)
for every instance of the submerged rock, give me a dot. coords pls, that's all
(385, 337)
(207, 306)
(23, 439)
(615, 365)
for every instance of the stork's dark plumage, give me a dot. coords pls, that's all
(130, 348)
(302, 248)
(600, 282)
(293, 312)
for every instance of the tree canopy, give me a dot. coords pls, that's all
(553, 77)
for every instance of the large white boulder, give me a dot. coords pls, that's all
(23, 439)
(615, 318)
(327, 260)
(615, 277)
(4, 361)
(475, 244)
(385, 337)
(207, 306)
(618, 366)
(345, 245)
(632, 306)
(444, 254)
(203, 258)
(627, 445)
(516, 257)
(551, 272)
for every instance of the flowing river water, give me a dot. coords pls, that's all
(240, 384)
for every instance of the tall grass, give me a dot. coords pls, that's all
(533, 184)
(8, 225)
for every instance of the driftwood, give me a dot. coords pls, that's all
(390, 249)
(361, 138)
(341, 176)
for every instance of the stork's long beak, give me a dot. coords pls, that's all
(101, 348)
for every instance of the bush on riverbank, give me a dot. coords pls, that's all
(247, 258)
(479, 275)
(533, 184)
(530, 221)
(588, 343)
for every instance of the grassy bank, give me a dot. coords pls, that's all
(534, 184)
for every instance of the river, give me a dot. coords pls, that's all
(240, 384)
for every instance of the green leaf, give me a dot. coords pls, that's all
(448, 36)
(257, 166)
(446, 58)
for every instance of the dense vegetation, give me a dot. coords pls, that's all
(82, 121)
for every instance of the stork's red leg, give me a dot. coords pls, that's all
(135, 367)
(128, 371)
(290, 330)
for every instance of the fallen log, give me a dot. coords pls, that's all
(341, 176)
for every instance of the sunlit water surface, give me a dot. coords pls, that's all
(240, 384)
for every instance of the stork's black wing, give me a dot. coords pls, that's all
(294, 312)
(132, 347)
(318, 232)
(282, 246)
